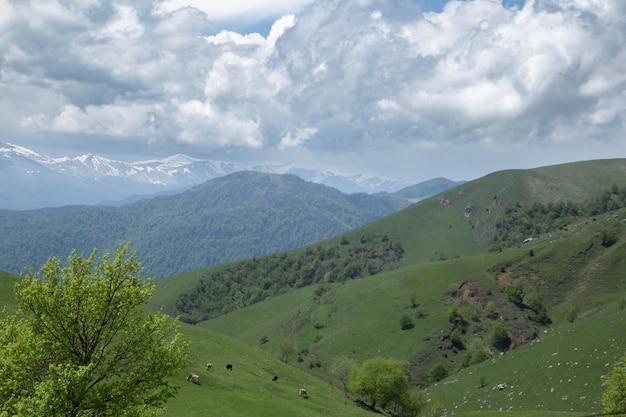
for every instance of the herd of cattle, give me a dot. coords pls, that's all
(195, 378)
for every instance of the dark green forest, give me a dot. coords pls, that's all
(256, 279)
(226, 219)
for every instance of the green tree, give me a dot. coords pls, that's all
(341, 368)
(380, 380)
(81, 344)
(286, 347)
(614, 395)
(411, 404)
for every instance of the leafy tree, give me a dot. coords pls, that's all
(411, 404)
(380, 380)
(81, 344)
(286, 347)
(614, 396)
(341, 369)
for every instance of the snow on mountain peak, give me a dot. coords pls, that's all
(147, 177)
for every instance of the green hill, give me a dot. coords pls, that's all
(559, 299)
(580, 281)
(233, 217)
(468, 220)
(427, 188)
(249, 390)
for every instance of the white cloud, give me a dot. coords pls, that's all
(345, 78)
(297, 138)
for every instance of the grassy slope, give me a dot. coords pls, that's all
(360, 319)
(248, 390)
(431, 231)
(560, 371)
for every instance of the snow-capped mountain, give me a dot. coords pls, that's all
(30, 180)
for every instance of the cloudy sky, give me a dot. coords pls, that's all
(410, 89)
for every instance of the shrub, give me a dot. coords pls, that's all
(515, 293)
(455, 338)
(437, 372)
(491, 310)
(406, 323)
(614, 396)
(608, 237)
(499, 337)
(478, 357)
(455, 317)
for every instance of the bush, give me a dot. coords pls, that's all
(614, 396)
(437, 372)
(608, 237)
(478, 357)
(515, 293)
(406, 323)
(455, 317)
(491, 310)
(499, 337)
(455, 338)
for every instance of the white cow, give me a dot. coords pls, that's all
(193, 378)
(303, 393)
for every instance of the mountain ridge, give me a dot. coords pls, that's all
(231, 217)
(30, 180)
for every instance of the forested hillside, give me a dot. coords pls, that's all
(492, 213)
(234, 217)
(231, 287)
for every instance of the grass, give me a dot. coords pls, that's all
(249, 390)
(558, 374)
(561, 371)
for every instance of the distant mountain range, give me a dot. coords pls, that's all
(29, 180)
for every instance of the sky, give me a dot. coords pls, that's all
(408, 89)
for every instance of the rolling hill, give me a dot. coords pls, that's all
(559, 297)
(572, 272)
(580, 281)
(237, 216)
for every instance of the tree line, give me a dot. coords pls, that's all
(254, 280)
(520, 222)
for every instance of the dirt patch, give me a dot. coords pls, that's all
(504, 278)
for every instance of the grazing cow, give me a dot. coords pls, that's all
(193, 378)
(229, 367)
(303, 393)
(209, 366)
(275, 378)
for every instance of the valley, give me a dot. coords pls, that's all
(529, 327)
